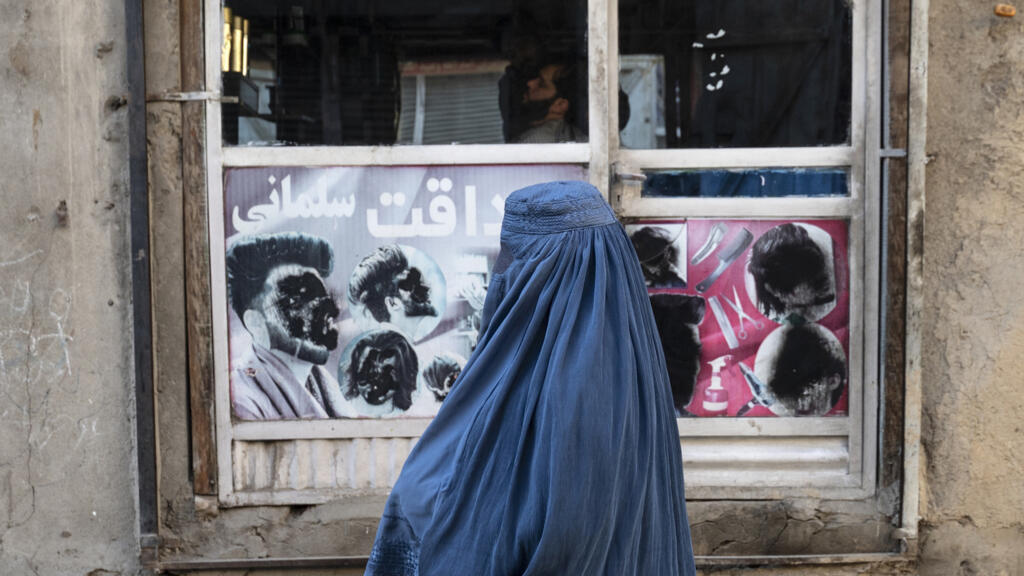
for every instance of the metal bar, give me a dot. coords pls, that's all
(598, 72)
(916, 161)
(414, 427)
(883, 234)
(864, 443)
(197, 96)
(218, 361)
(891, 152)
(639, 207)
(438, 155)
(811, 157)
(805, 560)
(886, 81)
(142, 313)
(889, 559)
(261, 564)
(712, 487)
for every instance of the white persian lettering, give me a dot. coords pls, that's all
(314, 204)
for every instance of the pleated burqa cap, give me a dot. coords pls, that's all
(557, 452)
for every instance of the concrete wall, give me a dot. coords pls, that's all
(973, 348)
(67, 489)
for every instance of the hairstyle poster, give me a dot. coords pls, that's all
(356, 292)
(753, 315)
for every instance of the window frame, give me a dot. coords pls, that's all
(861, 208)
(734, 441)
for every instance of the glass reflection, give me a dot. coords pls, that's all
(771, 183)
(382, 72)
(736, 73)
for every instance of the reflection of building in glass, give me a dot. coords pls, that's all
(449, 102)
(642, 79)
(739, 73)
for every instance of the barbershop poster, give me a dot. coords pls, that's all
(356, 292)
(753, 315)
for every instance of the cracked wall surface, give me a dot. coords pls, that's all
(973, 352)
(67, 491)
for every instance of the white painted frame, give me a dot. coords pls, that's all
(861, 208)
(604, 159)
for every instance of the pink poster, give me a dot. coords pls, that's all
(753, 314)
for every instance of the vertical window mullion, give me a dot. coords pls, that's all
(602, 58)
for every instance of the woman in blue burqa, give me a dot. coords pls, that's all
(557, 451)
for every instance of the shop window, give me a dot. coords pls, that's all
(736, 73)
(400, 72)
(737, 143)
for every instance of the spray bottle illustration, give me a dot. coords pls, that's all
(716, 398)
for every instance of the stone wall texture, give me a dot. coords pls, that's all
(973, 336)
(67, 460)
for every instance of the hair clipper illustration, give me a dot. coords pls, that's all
(762, 397)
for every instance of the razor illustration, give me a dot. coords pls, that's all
(714, 239)
(727, 256)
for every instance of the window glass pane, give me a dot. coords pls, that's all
(372, 72)
(774, 183)
(735, 73)
(753, 315)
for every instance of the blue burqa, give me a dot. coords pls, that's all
(557, 452)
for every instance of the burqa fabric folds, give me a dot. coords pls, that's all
(557, 452)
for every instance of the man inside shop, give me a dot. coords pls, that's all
(552, 107)
(547, 111)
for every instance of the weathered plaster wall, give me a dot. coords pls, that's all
(67, 489)
(973, 348)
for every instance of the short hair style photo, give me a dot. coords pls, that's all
(441, 374)
(250, 259)
(376, 278)
(678, 317)
(656, 249)
(792, 273)
(804, 367)
(371, 359)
